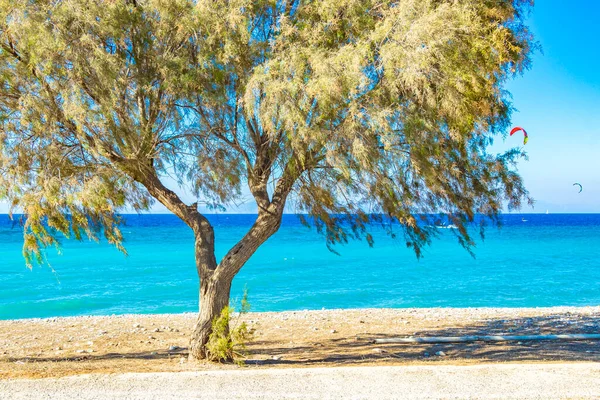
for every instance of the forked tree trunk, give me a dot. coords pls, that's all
(214, 296)
(215, 280)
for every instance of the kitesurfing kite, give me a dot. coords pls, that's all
(517, 129)
(580, 187)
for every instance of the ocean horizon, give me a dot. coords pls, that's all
(534, 260)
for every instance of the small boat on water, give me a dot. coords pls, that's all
(442, 225)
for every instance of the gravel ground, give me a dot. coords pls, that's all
(57, 347)
(500, 381)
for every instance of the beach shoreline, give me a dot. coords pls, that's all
(63, 346)
(411, 310)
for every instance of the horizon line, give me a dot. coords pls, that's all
(242, 213)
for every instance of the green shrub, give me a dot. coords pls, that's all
(227, 342)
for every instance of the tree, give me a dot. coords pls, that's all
(351, 111)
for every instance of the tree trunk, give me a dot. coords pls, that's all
(215, 280)
(214, 296)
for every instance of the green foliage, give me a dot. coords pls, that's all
(347, 108)
(228, 339)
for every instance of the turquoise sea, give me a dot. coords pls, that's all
(546, 260)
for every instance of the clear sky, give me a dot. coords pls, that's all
(558, 103)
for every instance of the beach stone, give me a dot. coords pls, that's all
(153, 353)
(156, 330)
(137, 325)
(378, 351)
(333, 331)
(426, 354)
(276, 358)
(440, 354)
(173, 348)
(182, 360)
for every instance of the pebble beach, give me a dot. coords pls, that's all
(56, 347)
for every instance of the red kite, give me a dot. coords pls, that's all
(517, 129)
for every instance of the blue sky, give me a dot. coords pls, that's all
(558, 103)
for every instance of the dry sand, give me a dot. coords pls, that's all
(57, 347)
(499, 381)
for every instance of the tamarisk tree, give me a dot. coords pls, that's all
(349, 111)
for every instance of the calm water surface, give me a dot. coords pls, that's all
(548, 260)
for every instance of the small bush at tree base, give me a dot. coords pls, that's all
(227, 342)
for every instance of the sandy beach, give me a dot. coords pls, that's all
(57, 347)
(487, 381)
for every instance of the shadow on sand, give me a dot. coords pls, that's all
(360, 349)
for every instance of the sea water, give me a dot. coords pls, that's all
(534, 260)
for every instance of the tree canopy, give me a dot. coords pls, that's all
(348, 110)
